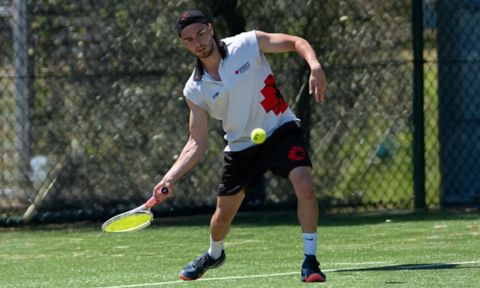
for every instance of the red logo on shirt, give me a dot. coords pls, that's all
(273, 99)
(297, 153)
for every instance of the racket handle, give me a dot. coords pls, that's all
(152, 201)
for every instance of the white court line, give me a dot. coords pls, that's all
(418, 266)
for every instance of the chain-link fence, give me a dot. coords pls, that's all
(92, 112)
(458, 50)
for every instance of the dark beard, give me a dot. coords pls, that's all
(207, 53)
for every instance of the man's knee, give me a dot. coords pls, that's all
(305, 192)
(227, 207)
(302, 183)
(221, 219)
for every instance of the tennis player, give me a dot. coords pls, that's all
(233, 82)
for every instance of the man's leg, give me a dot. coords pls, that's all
(307, 211)
(227, 207)
(307, 207)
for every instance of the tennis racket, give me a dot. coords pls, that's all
(133, 220)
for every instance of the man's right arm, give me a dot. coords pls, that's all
(192, 151)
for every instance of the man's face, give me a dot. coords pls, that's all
(198, 38)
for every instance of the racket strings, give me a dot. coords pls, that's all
(131, 222)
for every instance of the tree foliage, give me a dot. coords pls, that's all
(108, 80)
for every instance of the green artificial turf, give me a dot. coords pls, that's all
(263, 250)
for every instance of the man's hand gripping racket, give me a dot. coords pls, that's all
(135, 219)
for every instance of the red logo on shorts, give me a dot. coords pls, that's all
(297, 153)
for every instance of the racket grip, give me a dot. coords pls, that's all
(151, 202)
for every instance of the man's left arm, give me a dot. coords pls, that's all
(277, 43)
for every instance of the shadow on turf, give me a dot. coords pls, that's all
(426, 266)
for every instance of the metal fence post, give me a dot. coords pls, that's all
(22, 113)
(418, 105)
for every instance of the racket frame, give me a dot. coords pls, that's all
(139, 210)
(142, 209)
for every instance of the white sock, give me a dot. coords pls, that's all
(215, 249)
(310, 243)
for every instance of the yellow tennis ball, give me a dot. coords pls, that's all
(258, 135)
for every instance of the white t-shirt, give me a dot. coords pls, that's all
(246, 97)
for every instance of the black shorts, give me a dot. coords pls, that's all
(283, 151)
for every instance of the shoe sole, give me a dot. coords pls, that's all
(315, 277)
(185, 278)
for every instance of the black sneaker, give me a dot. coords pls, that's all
(197, 267)
(311, 270)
